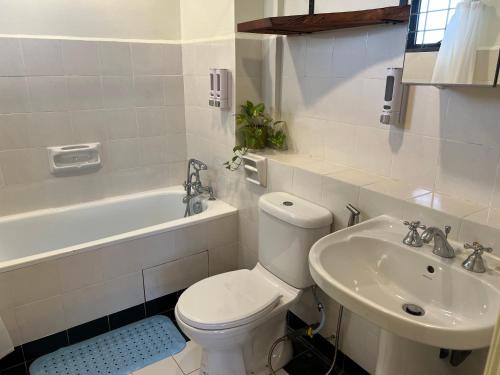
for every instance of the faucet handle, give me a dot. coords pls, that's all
(447, 230)
(475, 262)
(413, 238)
(478, 248)
(414, 225)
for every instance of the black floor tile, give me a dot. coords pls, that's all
(127, 316)
(352, 368)
(307, 364)
(300, 346)
(161, 304)
(44, 346)
(294, 322)
(12, 359)
(326, 349)
(16, 370)
(88, 330)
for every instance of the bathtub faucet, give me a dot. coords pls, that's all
(194, 187)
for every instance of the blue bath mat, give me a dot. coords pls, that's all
(118, 352)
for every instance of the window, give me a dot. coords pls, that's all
(428, 22)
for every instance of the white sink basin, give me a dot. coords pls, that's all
(371, 272)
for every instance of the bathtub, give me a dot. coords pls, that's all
(63, 267)
(37, 236)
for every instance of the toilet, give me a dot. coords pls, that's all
(236, 316)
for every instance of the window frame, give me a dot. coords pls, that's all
(411, 43)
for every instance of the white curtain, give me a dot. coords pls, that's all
(457, 55)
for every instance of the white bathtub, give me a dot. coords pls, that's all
(63, 267)
(37, 236)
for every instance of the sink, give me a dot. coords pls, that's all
(409, 292)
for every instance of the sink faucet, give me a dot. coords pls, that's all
(475, 262)
(442, 247)
(194, 187)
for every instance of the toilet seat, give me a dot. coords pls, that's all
(228, 300)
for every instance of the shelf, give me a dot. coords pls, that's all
(293, 25)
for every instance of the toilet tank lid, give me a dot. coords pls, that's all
(295, 211)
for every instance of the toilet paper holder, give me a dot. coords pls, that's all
(255, 169)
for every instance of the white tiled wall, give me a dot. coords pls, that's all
(128, 96)
(55, 295)
(332, 94)
(210, 132)
(172, 276)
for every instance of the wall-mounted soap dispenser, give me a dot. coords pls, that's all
(211, 95)
(219, 88)
(395, 98)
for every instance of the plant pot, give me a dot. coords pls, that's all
(255, 138)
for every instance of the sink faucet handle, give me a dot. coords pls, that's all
(475, 261)
(447, 230)
(413, 238)
(478, 248)
(413, 225)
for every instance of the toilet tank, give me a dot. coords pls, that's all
(288, 227)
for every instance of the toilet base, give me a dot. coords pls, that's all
(248, 354)
(232, 362)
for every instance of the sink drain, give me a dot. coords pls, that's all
(412, 309)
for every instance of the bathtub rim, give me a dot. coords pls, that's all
(216, 209)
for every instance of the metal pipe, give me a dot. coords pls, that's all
(311, 7)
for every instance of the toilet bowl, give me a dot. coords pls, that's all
(236, 316)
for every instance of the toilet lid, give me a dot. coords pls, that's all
(227, 300)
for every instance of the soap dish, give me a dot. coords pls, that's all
(74, 159)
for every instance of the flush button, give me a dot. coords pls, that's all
(287, 203)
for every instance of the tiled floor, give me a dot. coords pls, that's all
(184, 363)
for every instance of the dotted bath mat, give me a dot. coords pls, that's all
(118, 352)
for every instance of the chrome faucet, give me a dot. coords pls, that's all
(442, 247)
(475, 262)
(194, 187)
(413, 238)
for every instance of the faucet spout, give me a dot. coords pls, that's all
(442, 247)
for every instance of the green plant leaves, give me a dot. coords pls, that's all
(256, 129)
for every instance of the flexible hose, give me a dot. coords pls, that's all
(321, 309)
(271, 351)
(307, 331)
(337, 339)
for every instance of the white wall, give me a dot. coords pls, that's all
(131, 19)
(206, 19)
(293, 7)
(250, 10)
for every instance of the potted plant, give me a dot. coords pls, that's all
(253, 122)
(256, 130)
(276, 136)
